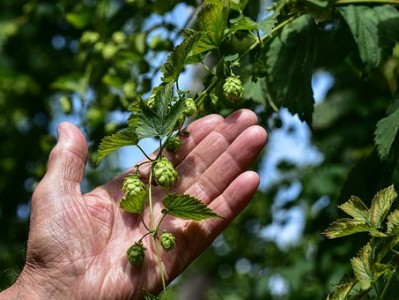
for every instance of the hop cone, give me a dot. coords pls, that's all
(164, 173)
(132, 185)
(135, 254)
(168, 241)
(233, 90)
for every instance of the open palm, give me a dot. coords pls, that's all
(77, 243)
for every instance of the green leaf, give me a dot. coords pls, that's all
(134, 204)
(160, 120)
(176, 60)
(243, 23)
(374, 30)
(290, 75)
(362, 267)
(125, 137)
(80, 19)
(356, 209)
(343, 290)
(385, 133)
(344, 227)
(73, 82)
(212, 21)
(187, 207)
(393, 222)
(381, 204)
(238, 5)
(267, 24)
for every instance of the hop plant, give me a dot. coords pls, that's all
(132, 185)
(164, 173)
(233, 90)
(168, 241)
(136, 253)
(173, 144)
(190, 108)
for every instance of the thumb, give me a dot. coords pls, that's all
(67, 161)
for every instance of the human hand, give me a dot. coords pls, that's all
(77, 243)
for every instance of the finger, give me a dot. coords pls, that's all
(67, 161)
(195, 237)
(198, 130)
(236, 159)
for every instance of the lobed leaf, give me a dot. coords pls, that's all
(290, 75)
(385, 133)
(342, 291)
(243, 23)
(362, 267)
(134, 204)
(160, 120)
(267, 24)
(125, 137)
(186, 207)
(381, 204)
(356, 209)
(344, 227)
(177, 59)
(212, 22)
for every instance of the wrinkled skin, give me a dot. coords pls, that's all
(77, 242)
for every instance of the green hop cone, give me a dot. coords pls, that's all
(173, 144)
(136, 253)
(233, 90)
(132, 185)
(190, 109)
(164, 173)
(168, 241)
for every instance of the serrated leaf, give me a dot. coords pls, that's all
(177, 59)
(134, 204)
(161, 119)
(393, 222)
(385, 133)
(381, 204)
(267, 24)
(343, 290)
(356, 209)
(243, 23)
(125, 137)
(186, 207)
(374, 29)
(290, 75)
(362, 267)
(344, 227)
(212, 21)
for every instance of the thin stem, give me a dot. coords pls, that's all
(159, 260)
(256, 44)
(145, 225)
(159, 223)
(150, 199)
(145, 154)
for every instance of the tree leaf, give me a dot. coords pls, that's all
(362, 267)
(161, 119)
(381, 205)
(212, 21)
(125, 137)
(374, 31)
(238, 5)
(356, 209)
(187, 207)
(344, 227)
(267, 24)
(343, 290)
(134, 204)
(393, 222)
(290, 75)
(176, 60)
(385, 133)
(243, 23)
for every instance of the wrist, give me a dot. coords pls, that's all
(33, 285)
